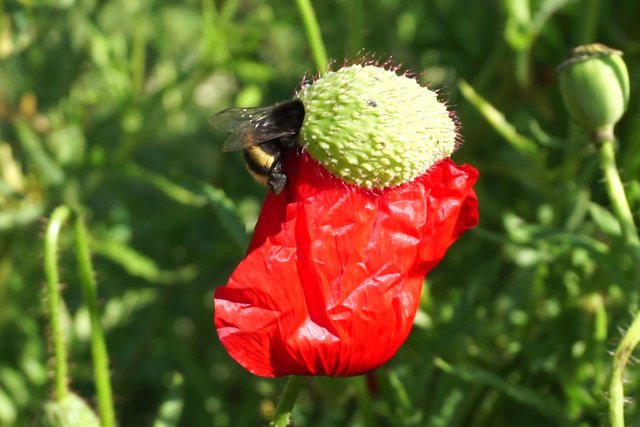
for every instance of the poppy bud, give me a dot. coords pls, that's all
(332, 279)
(71, 411)
(374, 128)
(594, 82)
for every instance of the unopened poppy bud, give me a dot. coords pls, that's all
(374, 128)
(594, 82)
(71, 411)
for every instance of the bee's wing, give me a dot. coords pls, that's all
(248, 126)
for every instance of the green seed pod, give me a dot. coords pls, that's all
(594, 82)
(374, 128)
(72, 411)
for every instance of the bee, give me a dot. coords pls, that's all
(264, 135)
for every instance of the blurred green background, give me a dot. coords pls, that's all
(104, 106)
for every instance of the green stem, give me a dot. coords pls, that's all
(605, 144)
(313, 34)
(5, 268)
(58, 218)
(522, 64)
(615, 189)
(216, 48)
(287, 401)
(365, 404)
(620, 359)
(601, 326)
(98, 344)
(138, 56)
(497, 120)
(589, 20)
(356, 19)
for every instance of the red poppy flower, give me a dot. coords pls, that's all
(332, 279)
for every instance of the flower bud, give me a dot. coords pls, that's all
(374, 128)
(594, 82)
(71, 411)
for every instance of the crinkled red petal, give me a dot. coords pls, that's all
(332, 280)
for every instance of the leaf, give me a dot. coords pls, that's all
(604, 220)
(23, 215)
(201, 195)
(227, 214)
(516, 392)
(140, 265)
(51, 172)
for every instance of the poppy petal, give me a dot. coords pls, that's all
(332, 279)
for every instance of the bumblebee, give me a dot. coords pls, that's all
(264, 135)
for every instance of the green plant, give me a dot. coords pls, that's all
(104, 108)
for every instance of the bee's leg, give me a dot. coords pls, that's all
(277, 181)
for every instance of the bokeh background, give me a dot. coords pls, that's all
(104, 107)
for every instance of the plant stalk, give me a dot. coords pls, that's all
(589, 22)
(287, 401)
(606, 153)
(313, 34)
(98, 344)
(621, 357)
(615, 189)
(57, 220)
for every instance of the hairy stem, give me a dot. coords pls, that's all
(313, 34)
(615, 189)
(57, 220)
(621, 357)
(288, 401)
(589, 22)
(98, 344)
(623, 213)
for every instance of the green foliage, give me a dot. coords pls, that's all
(104, 108)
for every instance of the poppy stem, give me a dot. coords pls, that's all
(622, 211)
(288, 400)
(57, 220)
(98, 343)
(621, 357)
(615, 189)
(313, 34)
